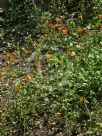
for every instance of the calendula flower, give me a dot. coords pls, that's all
(59, 28)
(65, 31)
(80, 30)
(11, 56)
(59, 20)
(100, 16)
(8, 54)
(48, 56)
(50, 24)
(18, 88)
(27, 77)
(81, 99)
(69, 53)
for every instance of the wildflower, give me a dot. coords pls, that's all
(27, 77)
(69, 53)
(59, 20)
(80, 30)
(8, 54)
(65, 31)
(11, 56)
(59, 28)
(50, 24)
(48, 56)
(18, 87)
(100, 16)
(81, 99)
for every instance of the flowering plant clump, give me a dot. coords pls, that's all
(51, 70)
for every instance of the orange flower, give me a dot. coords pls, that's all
(11, 56)
(48, 56)
(59, 20)
(50, 24)
(18, 88)
(65, 31)
(27, 77)
(8, 54)
(100, 16)
(80, 30)
(59, 28)
(81, 99)
(69, 53)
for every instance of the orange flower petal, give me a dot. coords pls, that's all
(58, 20)
(100, 16)
(11, 56)
(18, 88)
(65, 31)
(27, 77)
(8, 54)
(50, 24)
(80, 30)
(59, 28)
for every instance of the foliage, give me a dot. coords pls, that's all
(51, 67)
